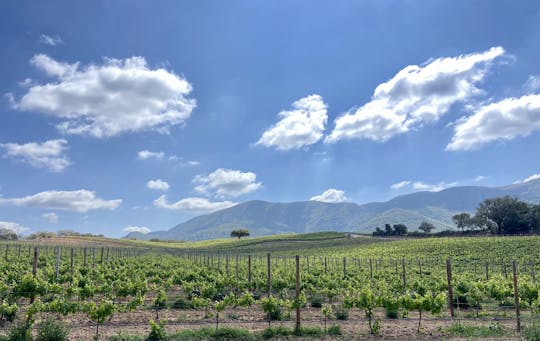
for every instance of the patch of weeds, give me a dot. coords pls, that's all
(465, 330)
(334, 330)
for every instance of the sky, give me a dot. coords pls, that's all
(120, 116)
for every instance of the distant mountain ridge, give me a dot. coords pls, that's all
(264, 218)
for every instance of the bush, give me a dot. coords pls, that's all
(334, 330)
(309, 331)
(272, 332)
(157, 331)
(181, 303)
(21, 331)
(391, 312)
(316, 301)
(342, 313)
(52, 330)
(228, 333)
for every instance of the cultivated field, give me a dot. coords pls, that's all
(341, 286)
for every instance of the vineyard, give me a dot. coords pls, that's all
(441, 287)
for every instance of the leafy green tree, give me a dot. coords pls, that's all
(462, 220)
(400, 229)
(7, 234)
(239, 233)
(426, 227)
(510, 215)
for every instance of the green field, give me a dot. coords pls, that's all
(381, 284)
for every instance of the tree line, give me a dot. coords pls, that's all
(504, 215)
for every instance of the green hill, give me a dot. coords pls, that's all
(265, 218)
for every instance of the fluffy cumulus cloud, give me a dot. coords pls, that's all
(140, 229)
(530, 178)
(226, 183)
(193, 205)
(50, 40)
(13, 227)
(416, 96)
(158, 185)
(331, 195)
(146, 154)
(499, 121)
(51, 217)
(48, 155)
(302, 126)
(77, 201)
(400, 184)
(108, 99)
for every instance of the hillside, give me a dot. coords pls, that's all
(264, 218)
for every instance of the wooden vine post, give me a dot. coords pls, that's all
(35, 263)
(516, 296)
(269, 273)
(450, 289)
(249, 271)
(297, 294)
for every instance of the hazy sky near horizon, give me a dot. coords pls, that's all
(121, 116)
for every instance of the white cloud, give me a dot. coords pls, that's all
(141, 229)
(13, 226)
(401, 184)
(480, 178)
(195, 205)
(415, 96)
(158, 185)
(532, 84)
(331, 195)
(146, 154)
(421, 186)
(503, 120)
(177, 160)
(51, 217)
(227, 183)
(302, 126)
(49, 154)
(50, 40)
(530, 178)
(108, 99)
(78, 201)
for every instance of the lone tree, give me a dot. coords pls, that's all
(240, 233)
(426, 227)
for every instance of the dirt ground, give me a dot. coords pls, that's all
(355, 328)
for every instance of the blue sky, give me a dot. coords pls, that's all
(138, 115)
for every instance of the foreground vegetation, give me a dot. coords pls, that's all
(342, 277)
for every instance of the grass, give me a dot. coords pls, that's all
(473, 331)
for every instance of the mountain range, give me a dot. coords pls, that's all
(265, 218)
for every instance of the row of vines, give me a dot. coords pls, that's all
(99, 283)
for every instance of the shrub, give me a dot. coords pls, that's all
(52, 330)
(157, 331)
(21, 331)
(228, 333)
(181, 303)
(342, 313)
(334, 330)
(316, 301)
